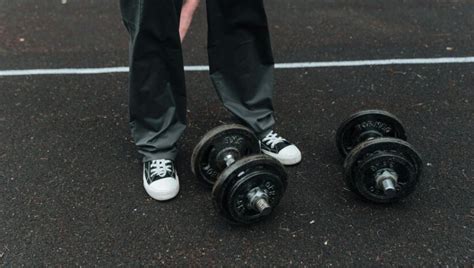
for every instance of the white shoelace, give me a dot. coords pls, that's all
(160, 167)
(272, 139)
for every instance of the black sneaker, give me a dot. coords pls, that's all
(160, 179)
(280, 149)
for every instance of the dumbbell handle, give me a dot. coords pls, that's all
(229, 159)
(258, 199)
(369, 135)
(386, 181)
(262, 206)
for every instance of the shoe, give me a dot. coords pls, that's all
(280, 149)
(160, 179)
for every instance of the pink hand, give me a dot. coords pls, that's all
(187, 12)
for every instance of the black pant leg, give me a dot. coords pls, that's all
(157, 96)
(241, 60)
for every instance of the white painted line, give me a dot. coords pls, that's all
(374, 62)
(196, 68)
(64, 71)
(296, 65)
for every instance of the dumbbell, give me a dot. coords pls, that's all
(380, 165)
(246, 185)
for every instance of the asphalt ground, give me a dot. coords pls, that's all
(71, 192)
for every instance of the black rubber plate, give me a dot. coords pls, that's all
(203, 162)
(363, 161)
(230, 189)
(348, 133)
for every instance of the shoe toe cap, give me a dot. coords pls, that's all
(163, 189)
(290, 155)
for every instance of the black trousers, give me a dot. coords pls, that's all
(240, 59)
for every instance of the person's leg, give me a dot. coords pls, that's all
(241, 68)
(241, 60)
(157, 97)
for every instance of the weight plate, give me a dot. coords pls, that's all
(370, 157)
(205, 162)
(367, 124)
(230, 192)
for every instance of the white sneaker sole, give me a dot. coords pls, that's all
(284, 161)
(161, 195)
